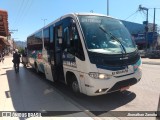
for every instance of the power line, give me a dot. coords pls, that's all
(24, 7)
(25, 10)
(18, 13)
(143, 14)
(131, 15)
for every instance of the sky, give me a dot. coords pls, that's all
(27, 16)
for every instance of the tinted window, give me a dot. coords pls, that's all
(34, 42)
(46, 38)
(101, 34)
(75, 42)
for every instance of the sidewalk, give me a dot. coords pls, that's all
(151, 61)
(26, 92)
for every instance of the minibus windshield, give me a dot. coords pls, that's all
(97, 40)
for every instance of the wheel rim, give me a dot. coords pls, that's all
(75, 86)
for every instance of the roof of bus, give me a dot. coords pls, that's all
(91, 14)
(71, 14)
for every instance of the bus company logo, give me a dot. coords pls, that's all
(120, 72)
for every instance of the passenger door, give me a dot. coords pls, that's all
(58, 62)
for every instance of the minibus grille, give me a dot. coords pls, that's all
(123, 83)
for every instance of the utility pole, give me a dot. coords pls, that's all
(154, 27)
(146, 23)
(108, 7)
(44, 20)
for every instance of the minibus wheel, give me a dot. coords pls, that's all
(75, 85)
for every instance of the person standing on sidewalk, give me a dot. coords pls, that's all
(16, 60)
(1, 57)
(3, 54)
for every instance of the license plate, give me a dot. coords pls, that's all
(124, 88)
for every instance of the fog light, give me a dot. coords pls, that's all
(101, 90)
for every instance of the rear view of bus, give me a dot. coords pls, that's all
(113, 60)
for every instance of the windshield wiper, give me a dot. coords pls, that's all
(114, 37)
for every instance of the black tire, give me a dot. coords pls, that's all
(75, 85)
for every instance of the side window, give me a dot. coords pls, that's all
(38, 40)
(52, 44)
(51, 34)
(34, 42)
(66, 37)
(46, 38)
(58, 36)
(72, 41)
(78, 45)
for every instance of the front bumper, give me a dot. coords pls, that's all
(111, 85)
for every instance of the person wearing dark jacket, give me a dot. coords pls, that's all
(1, 56)
(16, 60)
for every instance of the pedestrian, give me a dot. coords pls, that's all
(16, 60)
(1, 57)
(3, 54)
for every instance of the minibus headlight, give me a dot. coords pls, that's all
(99, 75)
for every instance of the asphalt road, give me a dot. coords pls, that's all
(144, 96)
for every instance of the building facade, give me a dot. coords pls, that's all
(4, 32)
(139, 35)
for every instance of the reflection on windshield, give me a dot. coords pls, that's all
(98, 40)
(114, 38)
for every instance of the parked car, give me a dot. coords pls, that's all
(142, 53)
(153, 54)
